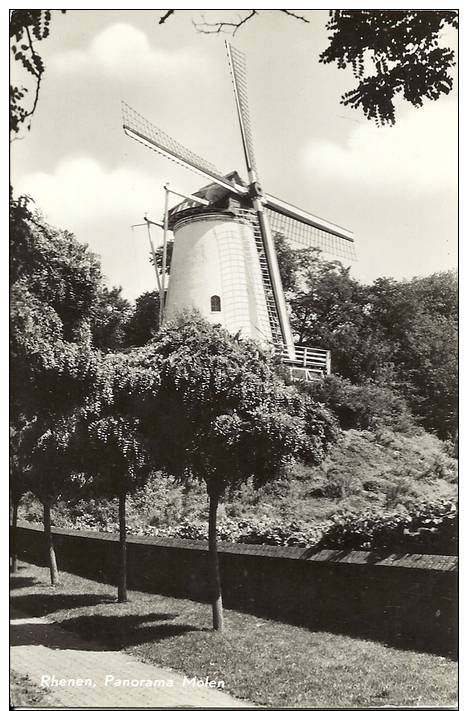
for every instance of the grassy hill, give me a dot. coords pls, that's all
(380, 471)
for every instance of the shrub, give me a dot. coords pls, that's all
(366, 406)
(425, 528)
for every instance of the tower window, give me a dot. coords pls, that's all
(215, 303)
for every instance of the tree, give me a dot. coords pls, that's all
(223, 416)
(403, 48)
(51, 471)
(144, 321)
(329, 310)
(294, 263)
(55, 282)
(53, 366)
(430, 363)
(114, 460)
(400, 335)
(109, 318)
(27, 27)
(19, 484)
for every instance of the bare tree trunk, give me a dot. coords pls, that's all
(215, 578)
(14, 537)
(54, 576)
(122, 588)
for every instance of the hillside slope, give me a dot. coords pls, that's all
(365, 471)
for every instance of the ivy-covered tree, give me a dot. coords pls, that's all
(48, 455)
(19, 483)
(223, 416)
(114, 462)
(109, 318)
(144, 321)
(53, 365)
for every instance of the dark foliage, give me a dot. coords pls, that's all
(109, 319)
(363, 406)
(406, 57)
(144, 321)
(401, 336)
(426, 528)
(27, 27)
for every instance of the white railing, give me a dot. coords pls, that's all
(316, 359)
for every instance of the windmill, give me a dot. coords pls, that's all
(224, 260)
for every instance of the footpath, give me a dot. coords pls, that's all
(77, 673)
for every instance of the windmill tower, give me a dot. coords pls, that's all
(224, 260)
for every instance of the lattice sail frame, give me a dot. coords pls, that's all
(307, 236)
(140, 129)
(296, 231)
(238, 67)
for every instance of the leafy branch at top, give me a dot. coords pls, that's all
(26, 28)
(391, 53)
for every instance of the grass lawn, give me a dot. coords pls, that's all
(23, 691)
(264, 661)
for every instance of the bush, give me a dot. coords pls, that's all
(367, 406)
(425, 528)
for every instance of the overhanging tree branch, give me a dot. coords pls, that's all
(37, 72)
(233, 25)
(297, 17)
(223, 26)
(165, 17)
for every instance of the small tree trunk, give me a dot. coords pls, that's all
(215, 578)
(14, 537)
(122, 588)
(54, 576)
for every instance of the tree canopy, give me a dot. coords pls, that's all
(401, 334)
(391, 53)
(55, 281)
(213, 408)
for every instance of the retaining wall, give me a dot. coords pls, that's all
(406, 600)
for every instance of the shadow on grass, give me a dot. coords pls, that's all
(42, 604)
(98, 632)
(120, 631)
(21, 581)
(381, 624)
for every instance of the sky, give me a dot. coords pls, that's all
(394, 187)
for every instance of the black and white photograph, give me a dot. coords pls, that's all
(233, 358)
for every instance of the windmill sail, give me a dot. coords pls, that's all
(215, 239)
(239, 79)
(307, 230)
(145, 132)
(307, 235)
(279, 319)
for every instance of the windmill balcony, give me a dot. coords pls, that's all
(306, 363)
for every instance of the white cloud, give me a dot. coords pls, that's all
(80, 191)
(99, 206)
(123, 50)
(417, 156)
